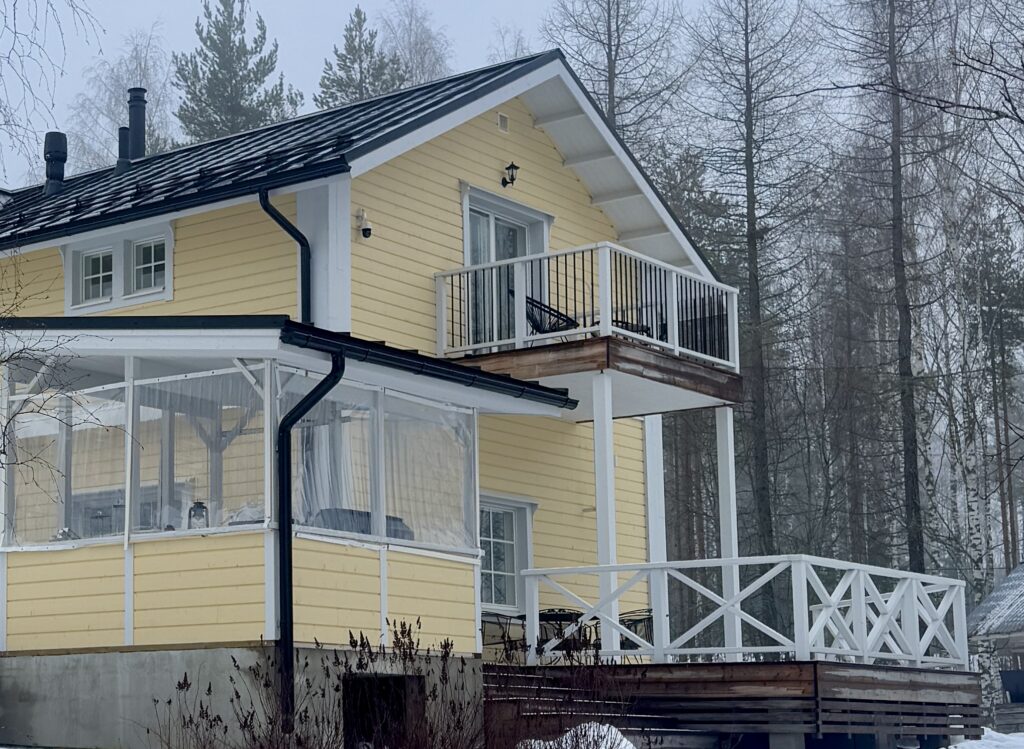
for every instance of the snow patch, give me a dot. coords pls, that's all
(993, 740)
(598, 736)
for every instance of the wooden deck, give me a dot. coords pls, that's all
(688, 703)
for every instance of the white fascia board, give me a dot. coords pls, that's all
(155, 344)
(447, 392)
(441, 125)
(129, 226)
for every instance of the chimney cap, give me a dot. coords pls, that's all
(55, 146)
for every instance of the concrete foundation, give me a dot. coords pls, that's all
(103, 700)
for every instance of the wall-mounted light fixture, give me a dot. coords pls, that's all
(510, 174)
(198, 515)
(363, 223)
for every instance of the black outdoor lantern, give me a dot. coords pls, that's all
(198, 517)
(510, 174)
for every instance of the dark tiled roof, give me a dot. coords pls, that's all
(1002, 611)
(307, 147)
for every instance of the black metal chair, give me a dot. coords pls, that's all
(543, 318)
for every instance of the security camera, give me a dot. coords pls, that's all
(365, 227)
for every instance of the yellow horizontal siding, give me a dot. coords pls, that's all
(65, 599)
(415, 203)
(232, 260)
(337, 591)
(197, 590)
(552, 462)
(439, 593)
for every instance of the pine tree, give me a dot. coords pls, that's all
(361, 70)
(224, 82)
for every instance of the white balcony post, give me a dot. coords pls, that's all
(673, 311)
(519, 297)
(604, 484)
(532, 617)
(734, 330)
(729, 535)
(604, 289)
(441, 306)
(657, 546)
(960, 626)
(131, 451)
(801, 623)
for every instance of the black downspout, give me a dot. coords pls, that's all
(286, 638)
(305, 308)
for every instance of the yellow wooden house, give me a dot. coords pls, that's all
(404, 359)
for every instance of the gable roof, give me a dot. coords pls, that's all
(330, 142)
(1001, 612)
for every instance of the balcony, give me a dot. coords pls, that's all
(596, 291)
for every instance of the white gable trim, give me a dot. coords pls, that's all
(442, 125)
(554, 69)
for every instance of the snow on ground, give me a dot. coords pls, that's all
(597, 736)
(993, 740)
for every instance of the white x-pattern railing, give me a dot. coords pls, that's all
(796, 606)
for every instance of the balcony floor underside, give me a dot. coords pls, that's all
(815, 698)
(647, 380)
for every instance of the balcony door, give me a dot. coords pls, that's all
(493, 238)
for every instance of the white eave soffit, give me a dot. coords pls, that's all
(588, 147)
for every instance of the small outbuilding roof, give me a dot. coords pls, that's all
(1001, 613)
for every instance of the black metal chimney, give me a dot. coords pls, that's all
(136, 123)
(123, 162)
(55, 153)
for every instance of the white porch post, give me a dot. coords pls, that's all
(729, 535)
(657, 542)
(604, 484)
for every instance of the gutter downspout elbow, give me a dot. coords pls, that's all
(305, 255)
(286, 637)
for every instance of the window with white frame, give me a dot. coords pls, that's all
(97, 276)
(119, 270)
(148, 265)
(504, 542)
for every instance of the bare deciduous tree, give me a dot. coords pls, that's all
(31, 61)
(408, 31)
(625, 52)
(509, 43)
(101, 107)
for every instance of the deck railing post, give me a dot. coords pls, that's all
(960, 626)
(911, 622)
(604, 289)
(532, 618)
(858, 599)
(519, 296)
(441, 306)
(659, 614)
(801, 627)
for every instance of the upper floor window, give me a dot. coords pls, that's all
(97, 276)
(118, 270)
(149, 264)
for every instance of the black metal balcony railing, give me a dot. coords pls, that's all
(600, 289)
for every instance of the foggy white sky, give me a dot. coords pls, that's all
(305, 31)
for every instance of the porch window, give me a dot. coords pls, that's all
(372, 462)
